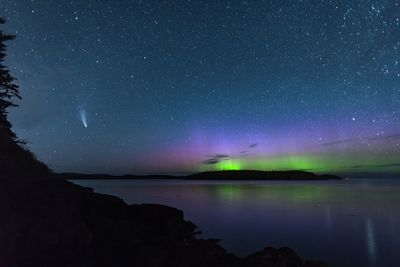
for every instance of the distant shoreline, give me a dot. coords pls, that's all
(212, 175)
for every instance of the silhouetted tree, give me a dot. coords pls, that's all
(8, 89)
(15, 159)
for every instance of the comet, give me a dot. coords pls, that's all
(83, 116)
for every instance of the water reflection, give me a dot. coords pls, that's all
(347, 224)
(370, 241)
(328, 219)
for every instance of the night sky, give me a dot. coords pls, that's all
(185, 86)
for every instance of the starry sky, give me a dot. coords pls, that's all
(192, 85)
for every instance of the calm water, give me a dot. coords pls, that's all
(346, 223)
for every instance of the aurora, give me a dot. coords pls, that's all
(258, 87)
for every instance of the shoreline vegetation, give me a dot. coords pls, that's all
(241, 175)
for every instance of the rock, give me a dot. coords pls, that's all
(272, 257)
(310, 263)
(161, 223)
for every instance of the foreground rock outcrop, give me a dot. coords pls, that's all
(52, 222)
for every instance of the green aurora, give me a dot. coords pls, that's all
(319, 163)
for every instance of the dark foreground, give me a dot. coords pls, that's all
(52, 222)
(211, 175)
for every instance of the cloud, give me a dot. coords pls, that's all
(211, 161)
(253, 145)
(388, 137)
(216, 159)
(358, 140)
(339, 142)
(389, 165)
(358, 166)
(221, 156)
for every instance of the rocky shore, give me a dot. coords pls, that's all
(52, 222)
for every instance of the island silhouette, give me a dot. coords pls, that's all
(211, 175)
